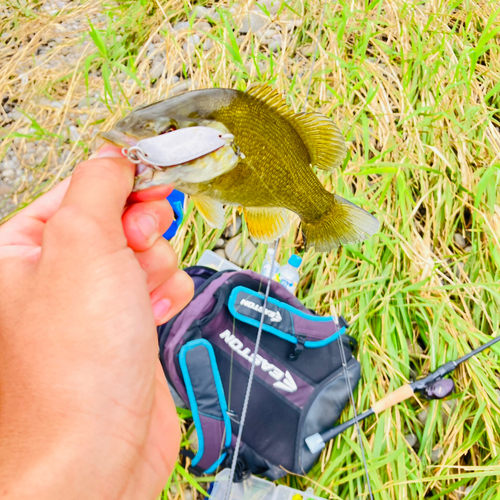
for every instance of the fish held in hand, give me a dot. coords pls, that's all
(265, 165)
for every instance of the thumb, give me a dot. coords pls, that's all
(100, 186)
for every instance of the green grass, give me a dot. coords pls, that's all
(415, 88)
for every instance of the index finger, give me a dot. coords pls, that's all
(100, 188)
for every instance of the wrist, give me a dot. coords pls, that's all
(66, 451)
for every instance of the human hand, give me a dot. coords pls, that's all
(85, 411)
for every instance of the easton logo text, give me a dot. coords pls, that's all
(284, 381)
(274, 316)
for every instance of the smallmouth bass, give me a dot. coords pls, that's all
(266, 170)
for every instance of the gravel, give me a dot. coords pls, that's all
(233, 228)
(412, 440)
(253, 21)
(238, 252)
(422, 416)
(220, 252)
(220, 243)
(436, 453)
(459, 240)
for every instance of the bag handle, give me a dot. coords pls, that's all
(207, 402)
(282, 319)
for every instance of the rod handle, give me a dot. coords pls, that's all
(399, 395)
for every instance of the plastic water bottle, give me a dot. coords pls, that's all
(289, 273)
(268, 261)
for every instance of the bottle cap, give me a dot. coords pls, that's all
(295, 261)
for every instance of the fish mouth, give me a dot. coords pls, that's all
(118, 138)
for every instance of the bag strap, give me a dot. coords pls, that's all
(207, 402)
(282, 319)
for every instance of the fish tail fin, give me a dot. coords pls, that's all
(343, 223)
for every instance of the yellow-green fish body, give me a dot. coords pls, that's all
(268, 172)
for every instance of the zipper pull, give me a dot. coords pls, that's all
(298, 347)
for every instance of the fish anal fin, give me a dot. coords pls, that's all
(343, 223)
(211, 210)
(323, 139)
(266, 224)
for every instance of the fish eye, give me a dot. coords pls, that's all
(170, 128)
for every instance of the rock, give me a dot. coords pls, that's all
(86, 102)
(9, 173)
(253, 21)
(272, 5)
(203, 27)
(270, 32)
(220, 252)
(459, 269)
(436, 453)
(17, 115)
(414, 348)
(459, 240)
(157, 69)
(233, 228)
(239, 252)
(219, 243)
(181, 87)
(74, 135)
(193, 440)
(468, 490)
(4, 189)
(468, 249)
(451, 404)
(200, 12)
(212, 15)
(51, 104)
(181, 26)
(190, 45)
(422, 416)
(412, 440)
(276, 42)
(444, 416)
(12, 163)
(208, 44)
(274, 45)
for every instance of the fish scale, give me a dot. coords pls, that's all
(275, 156)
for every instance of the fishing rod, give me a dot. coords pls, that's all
(434, 386)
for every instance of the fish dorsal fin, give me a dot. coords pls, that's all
(265, 93)
(323, 139)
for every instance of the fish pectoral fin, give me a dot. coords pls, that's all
(266, 224)
(323, 139)
(211, 210)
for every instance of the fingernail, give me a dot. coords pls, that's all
(109, 151)
(147, 224)
(161, 308)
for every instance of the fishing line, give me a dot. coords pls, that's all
(351, 397)
(250, 380)
(262, 316)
